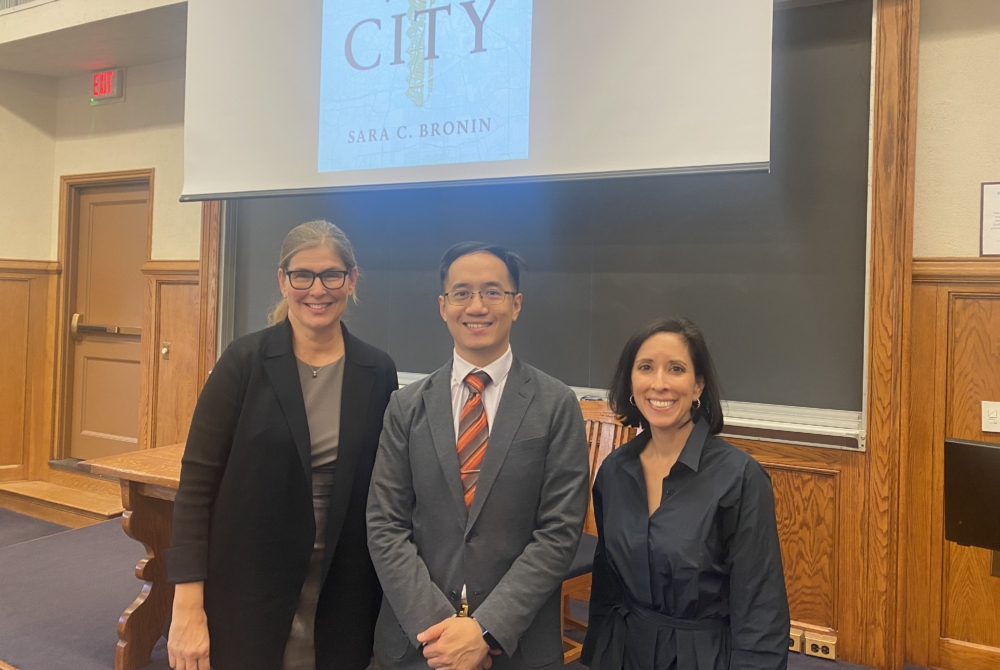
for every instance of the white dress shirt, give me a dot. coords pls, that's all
(497, 370)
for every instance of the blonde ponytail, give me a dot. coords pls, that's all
(279, 313)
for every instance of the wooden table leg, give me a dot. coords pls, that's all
(149, 521)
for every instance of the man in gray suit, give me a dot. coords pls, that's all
(479, 491)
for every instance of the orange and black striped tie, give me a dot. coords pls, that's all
(473, 434)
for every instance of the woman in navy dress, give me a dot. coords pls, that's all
(687, 573)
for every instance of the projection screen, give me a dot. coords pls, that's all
(326, 94)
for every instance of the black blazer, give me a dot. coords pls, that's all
(243, 517)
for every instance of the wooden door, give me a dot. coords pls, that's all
(951, 599)
(112, 225)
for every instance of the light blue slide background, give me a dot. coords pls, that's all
(461, 107)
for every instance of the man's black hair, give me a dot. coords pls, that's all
(513, 262)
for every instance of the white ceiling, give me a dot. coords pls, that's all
(132, 39)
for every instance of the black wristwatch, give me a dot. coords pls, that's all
(490, 641)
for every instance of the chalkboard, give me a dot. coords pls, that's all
(771, 266)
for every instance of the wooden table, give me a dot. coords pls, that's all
(149, 480)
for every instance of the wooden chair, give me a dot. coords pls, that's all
(604, 435)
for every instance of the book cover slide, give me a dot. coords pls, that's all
(423, 82)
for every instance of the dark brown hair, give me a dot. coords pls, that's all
(621, 383)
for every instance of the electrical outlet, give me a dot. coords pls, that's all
(991, 417)
(822, 646)
(795, 640)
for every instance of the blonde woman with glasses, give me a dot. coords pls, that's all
(269, 547)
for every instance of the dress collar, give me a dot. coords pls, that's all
(497, 370)
(691, 453)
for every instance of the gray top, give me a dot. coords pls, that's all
(321, 392)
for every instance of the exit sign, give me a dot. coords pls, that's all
(107, 86)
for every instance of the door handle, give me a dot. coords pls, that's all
(80, 330)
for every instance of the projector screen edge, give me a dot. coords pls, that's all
(763, 166)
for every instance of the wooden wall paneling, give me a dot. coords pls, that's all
(952, 604)
(28, 268)
(934, 458)
(211, 219)
(15, 298)
(26, 288)
(958, 655)
(178, 380)
(806, 501)
(971, 596)
(893, 151)
(172, 270)
(817, 494)
(169, 387)
(956, 270)
(926, 407)
(45, 394)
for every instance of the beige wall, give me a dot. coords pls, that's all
(958, 123)
(27, 152)
(147, 130)
(48, 128)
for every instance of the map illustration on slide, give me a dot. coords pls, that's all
(405, 83)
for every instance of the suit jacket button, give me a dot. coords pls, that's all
(454, 595)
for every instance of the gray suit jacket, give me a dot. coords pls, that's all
(511, 548)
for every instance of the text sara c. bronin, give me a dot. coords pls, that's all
(446, 129)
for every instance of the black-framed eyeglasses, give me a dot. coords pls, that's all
(304, 279)
(491, 296)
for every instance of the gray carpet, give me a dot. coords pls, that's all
(17, 528)
(61, 611)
